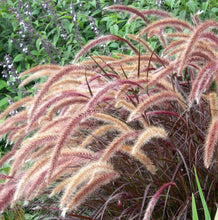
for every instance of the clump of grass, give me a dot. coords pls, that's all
(106, 133)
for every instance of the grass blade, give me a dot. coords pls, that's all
(194, 209)
(206, 211)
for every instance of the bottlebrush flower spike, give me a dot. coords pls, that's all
(94, 100)
(154, 100)
(154, 199)
(84, 174)
(147, 135)
(156, 12)
(24, 101)
(86, 190)
(172, 22)
(213, 104)
(63, 72)
(193, 41)
(199, 83)
(116, 145)
(108, 118)
(39, 68)
(101, 40)
(128, 9)
(71, 125)
(211, 141)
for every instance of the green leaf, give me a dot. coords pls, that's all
(3, 84)
(65, 17)
(216, 215)
(194, 209)
(114, 29)
(204, 6)
(172, 3)
(18, 58)
(3, 102)
(192, 6)
(38, 43)
(206, 211)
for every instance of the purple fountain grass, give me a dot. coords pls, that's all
(154, 100)
(120, 125)
(155, 12)
(127, 9)
(74, 122)
(162, 73)
(172, 22)
(99, 180)
(116, 145)
(28, 147)
(39, 68)
(173, 45)
(149, 133)
(66, 70)
(60, 96)
(161, 60)
(213, 104)
(154, 200)
(134, 59)
(6, 196)
(94, 100)
(210, 36)
(16, 105)
(192, 42)
(64, 103)
(199, 83)
(90, 123)
(34, 185)
(101, 40)
(84, 174)
(211, 141)
(38, 74)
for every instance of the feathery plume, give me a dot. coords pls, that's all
(101, 40)
(94, 100)
(127, 9)
(29, 146)
(85, 191)
(141, 157)
(155, 12)
(199, 83)
(126, 105)
(162, 73)
(154, 100)
(64, 103)
(64, 71)
(74, 122)
(154, 199)
(97, 132)
(52, 101)
(15, 105)
(51, 67)
(213, 104)
(36, 75)
(149, 133)
(116, 145)
(211, 141)
(82, 175)
(166, 22)
(120, 125)
(192, 42)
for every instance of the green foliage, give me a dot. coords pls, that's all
(194, 210)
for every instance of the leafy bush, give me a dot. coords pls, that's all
(121, 126)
